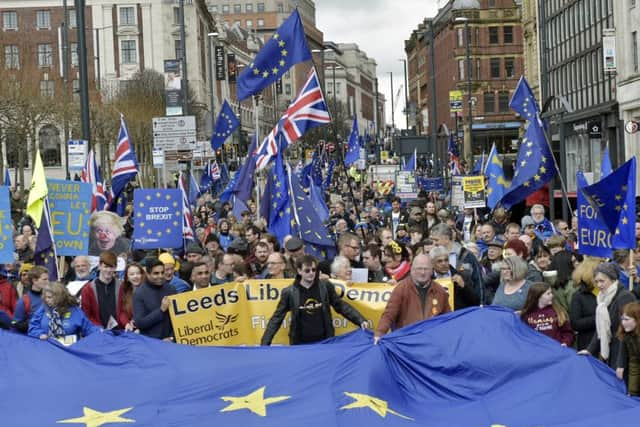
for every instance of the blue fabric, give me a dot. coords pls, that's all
(605, 167)
(226, 123)
(287, 47)
(36, 301)
(593, 236)
(474, 367)
(494, 174)
(45, 251)
(277, 196)
(614, 198)
(353, 149)
(179, 284)
(523, 101)
(73, 322)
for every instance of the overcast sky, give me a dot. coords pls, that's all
(379, 28)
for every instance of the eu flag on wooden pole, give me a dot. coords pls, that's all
(226, 124)
(287, 47)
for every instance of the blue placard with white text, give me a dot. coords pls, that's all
(157, 219)
(6, 227)
(70, 206)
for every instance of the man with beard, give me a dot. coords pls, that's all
(151, 303)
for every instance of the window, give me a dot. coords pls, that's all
(11, 57)
(74, 54)
(129, 53)
(248, 7)
(478, 77)
(43, 19)
(46, 88)
(260, 22)
(509, 67)
(260, 7)
(225, 9)
(73, 18)
(495, 68)
(10, 21)
(249, 23)
(237, 8)
(127, 16)
(177, 47)
(634, 50)
(75, 85)
(460, 37)
(45, 55)
(13, 147)
(489, 102)
(176, 16)
(507, 35)
(503, 101)
(492, 3)
(460, 69)
(280, 7)
(49, 144)
(632, 3)
(287, 88)
(493, 35)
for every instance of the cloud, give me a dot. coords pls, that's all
(379, 28)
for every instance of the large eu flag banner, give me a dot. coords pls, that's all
(476, 367)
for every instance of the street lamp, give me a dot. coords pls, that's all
(393, 119)
(467, 147)
(211, 37)
(406, 98)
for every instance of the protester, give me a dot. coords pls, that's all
(8, 296)
(170, 273)
(543, 314)
(151, 303)
(513, 289)
(200, 275)
(582, 309)
(371, 258)
(134, 276)
(463, 294)
(611, 298)
(414, 299)
(341, 268)
(397, 263)
(309, 300)
(60, 317)
(277, 267)
(224, 272)
(32, 299)
(628, 363)
(99, 298)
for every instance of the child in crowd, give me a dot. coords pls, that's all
(544, 315)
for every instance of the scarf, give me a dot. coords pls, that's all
(400, 271)
(55, 324)
(603, 320)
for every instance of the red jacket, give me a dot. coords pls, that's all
(90, 306)
(404, 306)
(8, 297)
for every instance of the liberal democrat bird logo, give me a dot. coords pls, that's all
(225, 320)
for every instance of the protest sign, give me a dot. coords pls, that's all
(70, 205)
(157, 219)
(6, 227)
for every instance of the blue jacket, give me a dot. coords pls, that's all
(73, 322)
(19, 314)
(179, 284)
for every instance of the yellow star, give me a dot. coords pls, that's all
(265, 74)
(624, 188)
(282, 62)
(276, 36)
(94, 418)
(256, 71)
(158, 194)
(281, 43)
(543, 159)
(625, 220)
(543, 169)
(523, 163)
(529, 153)
(618, 208)
(284, 52)
(274, 70)
(526, 183)
(536, 177)
(254, 401)
(379, 406)
(618, 197)
(148, 197)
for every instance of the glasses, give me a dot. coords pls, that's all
(308, 270)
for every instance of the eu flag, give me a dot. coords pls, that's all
(614, 198)
(279, 219)
(226, 123)
(594, 238)
(353, 149)
(523, 101)
(327, 180)
(534, 166)
(242, 183)
(287, 47)
(308, 225)
(45, 251)
(495, 178)
(463, 369)
(605, 167)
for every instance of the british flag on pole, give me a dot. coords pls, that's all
(187, 218)
(125, 168)
(307, 111)
(91, 174)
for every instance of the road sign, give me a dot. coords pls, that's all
(158, 158)
(174, 133)
(455, 101)
(77, 150)
(631, 126)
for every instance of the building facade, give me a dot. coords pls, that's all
(449, 94)
(627, 17)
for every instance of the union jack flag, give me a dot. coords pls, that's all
(187, 218)
(125, 169)
(91, 174)
(454, 157)
(215, 171)
(307, 111)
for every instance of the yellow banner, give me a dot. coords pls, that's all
(238, 313)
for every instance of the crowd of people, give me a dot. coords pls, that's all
(531, 266)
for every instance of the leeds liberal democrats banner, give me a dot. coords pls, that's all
(157, 219)
(70, 205)
(238, 313)
(6, 227)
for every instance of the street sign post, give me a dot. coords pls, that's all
(174, 133)
(77, 150)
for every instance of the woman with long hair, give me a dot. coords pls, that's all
(514, 285)
(396, 259)
(545, 315)
(134, 276)
(628, 364)
(60, 317)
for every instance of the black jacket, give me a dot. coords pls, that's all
(583, 316)
(148, 317)
(290, 301)
(621, 298)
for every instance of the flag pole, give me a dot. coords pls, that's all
(256, 101)
(563, 187)
(291, 196)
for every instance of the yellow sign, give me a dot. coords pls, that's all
(474, 195)
(238, 313)
(455, 101)
(384, 155)
(448, 285)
